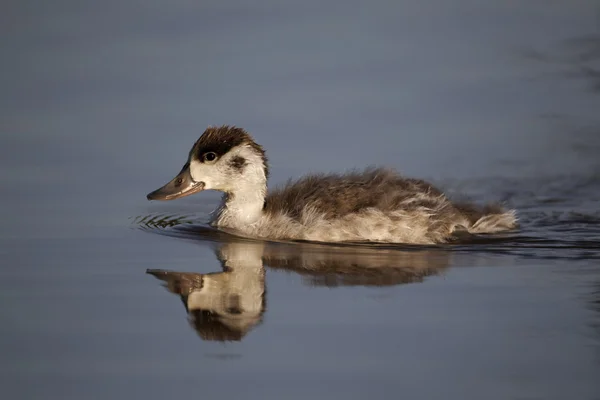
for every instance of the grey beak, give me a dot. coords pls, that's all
(182, 185)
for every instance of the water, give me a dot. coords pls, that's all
(490, 100)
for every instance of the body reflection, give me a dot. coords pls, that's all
(226, 305)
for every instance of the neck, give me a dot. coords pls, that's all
(243, 207)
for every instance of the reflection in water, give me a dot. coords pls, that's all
(223, 305)
(349, 266)
(226, 305)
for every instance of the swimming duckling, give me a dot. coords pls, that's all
(376, 204)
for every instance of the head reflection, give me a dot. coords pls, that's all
(225, 306)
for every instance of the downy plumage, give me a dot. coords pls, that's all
(376, 204)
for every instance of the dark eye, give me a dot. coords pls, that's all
(210, 156)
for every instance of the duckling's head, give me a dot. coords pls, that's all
(224, 158)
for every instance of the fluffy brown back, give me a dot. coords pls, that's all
(337, 195)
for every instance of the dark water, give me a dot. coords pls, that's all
(100, 103)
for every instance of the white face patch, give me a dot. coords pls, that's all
(207, 173)
(226, 175)
(217, 175)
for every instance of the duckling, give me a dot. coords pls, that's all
(374, 205)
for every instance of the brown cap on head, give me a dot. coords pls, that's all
(210, 326)
(222, 139)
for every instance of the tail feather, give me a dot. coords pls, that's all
(489, 219)
(491, 223)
